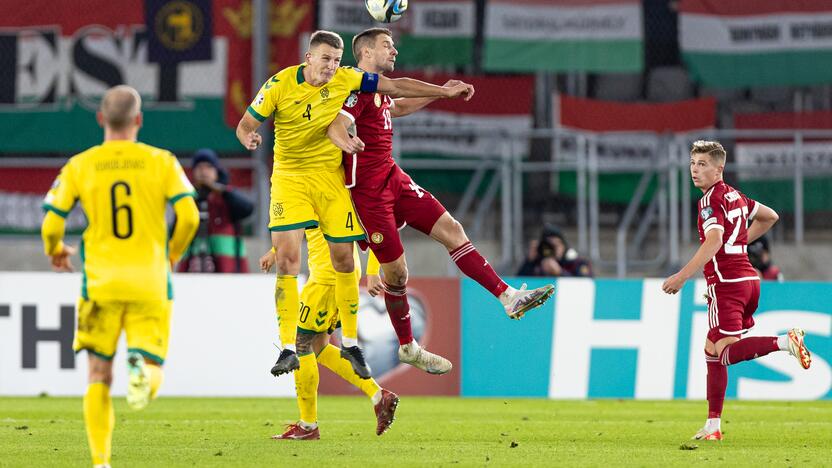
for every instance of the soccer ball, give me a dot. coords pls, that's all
(386, 11)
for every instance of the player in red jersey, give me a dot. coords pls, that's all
(387, 199)
(733, 284)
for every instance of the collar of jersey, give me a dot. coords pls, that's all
(300, 74)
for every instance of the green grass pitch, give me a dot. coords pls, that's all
(427, 432)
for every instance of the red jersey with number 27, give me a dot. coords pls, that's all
(725, 208)
(370, 112)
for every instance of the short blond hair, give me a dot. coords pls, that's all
(326, 37)
(120, 106)
(713, 149)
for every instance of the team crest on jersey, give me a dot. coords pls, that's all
(260, 98)
(352, 100)
(277, 209)
(377, 99)
(706, 212)
(325, 93)
(377, 238)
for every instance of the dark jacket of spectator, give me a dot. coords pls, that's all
(218, 244)
(759, 255)
(552, 256)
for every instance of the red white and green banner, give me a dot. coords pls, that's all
(501, 103)
(741, 43)
(432, 32)
(564, 35)
(767, 159)
(189, 59)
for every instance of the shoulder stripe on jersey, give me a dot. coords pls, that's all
(754, 211)
(707, 196)
(255, 114)
(48, 207)
(343, 112)
(369, 83)
(176, 198)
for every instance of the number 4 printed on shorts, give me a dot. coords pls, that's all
(419, 190)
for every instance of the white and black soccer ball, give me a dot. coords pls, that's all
(386, 11)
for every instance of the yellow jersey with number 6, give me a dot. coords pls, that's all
(303, 112)
(123, 187)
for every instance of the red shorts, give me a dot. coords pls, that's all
(385, 209)
(731, 308)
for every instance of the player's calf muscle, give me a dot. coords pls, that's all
(304, 343)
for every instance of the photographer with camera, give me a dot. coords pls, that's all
(552, 256)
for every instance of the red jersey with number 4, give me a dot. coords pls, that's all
(725, 208)
(370, 112)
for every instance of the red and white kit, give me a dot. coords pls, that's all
(385, 197)
(733, 284)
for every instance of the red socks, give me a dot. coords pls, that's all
(395, 298)
(470, 262)
(748, 348)
(717, 382)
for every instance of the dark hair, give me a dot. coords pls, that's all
(326, 37)
(367, 38)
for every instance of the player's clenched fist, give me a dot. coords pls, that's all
(252, 140)
(459, 89)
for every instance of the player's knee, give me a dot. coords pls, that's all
(343, 263)
(450, 233)
(395, 274)
(288, 264)
(102, 375)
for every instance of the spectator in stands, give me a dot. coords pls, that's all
(218, 245)
(760, 257)
(552, 256)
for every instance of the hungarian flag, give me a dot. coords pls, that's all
(564, 35)
(290, 22)
(741, 43)
(431, 32)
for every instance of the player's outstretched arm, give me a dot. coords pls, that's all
(338, 131)
(406, 106)
(187, 222)
(52, 232)
(247, 132)
(412, 88)
(764, 219)
(706, 251)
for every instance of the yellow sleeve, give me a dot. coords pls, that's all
(372, 264)
(177, 185)
(64, 193)
(265, 103)
(187, 222)
(52, 233)
(358, 80)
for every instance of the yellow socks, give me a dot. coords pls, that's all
(156, 378)
(306, 385)
(331, 358)
(100, 419)
(288, 305)
(346, 298)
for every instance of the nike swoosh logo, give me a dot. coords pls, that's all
(297, 102)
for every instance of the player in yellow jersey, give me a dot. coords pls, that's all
(318, 318)
(308, 181)
(123, 187)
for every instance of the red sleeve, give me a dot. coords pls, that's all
(713, 214)
(352, 106)
(752, 206)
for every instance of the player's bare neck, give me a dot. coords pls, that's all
(307, 77)
(370, 68)
(120, 135)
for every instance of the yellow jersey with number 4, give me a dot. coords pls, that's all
(303, 112)
(123, 187)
